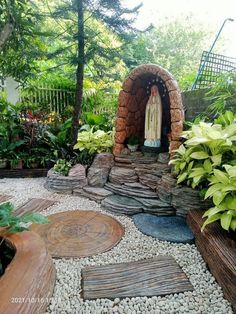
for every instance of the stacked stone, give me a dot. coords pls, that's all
(164, 188)
(133, 198)
(92, 193)
(66, 184)
(150, 174)
(120, 175)
(184, 199)
(99, 171)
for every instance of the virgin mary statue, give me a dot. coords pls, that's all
(153, 118)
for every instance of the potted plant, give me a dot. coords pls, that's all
(23, 259)
(133, 143)
(10, 223)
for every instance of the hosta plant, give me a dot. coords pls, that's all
(207, 147)
(62, 167)
(207, 161)
(95, 142)
(222, 190)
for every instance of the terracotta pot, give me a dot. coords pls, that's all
(28, 281)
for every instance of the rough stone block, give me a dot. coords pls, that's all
(175, 100)
(120, 137)
(123, 98)
(122, 112)
(117, 149)
(120, 124)
(174, 145)
(176, 130)
(176, 115)
(171, 85)
(128, 85)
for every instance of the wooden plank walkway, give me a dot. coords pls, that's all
(4, 198)
(34, 205)
(158, 276)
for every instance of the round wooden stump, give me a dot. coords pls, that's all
(79, 233)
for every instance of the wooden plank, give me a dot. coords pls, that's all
(34, 205)
(158, 276)
(218, 249)
(4, 198)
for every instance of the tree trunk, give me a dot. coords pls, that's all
(79, 73)
(5, 34)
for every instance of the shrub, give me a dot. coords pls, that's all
(207, 161)
(207, 147)
(62, 166)
(95, 142)
(223, 191)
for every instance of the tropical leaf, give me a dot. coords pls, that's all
(199, 155)
(221, 176)
(225, 220)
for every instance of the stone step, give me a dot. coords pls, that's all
(121, 175)
(152, 203)
(93, 193)
(125, 190)
(129, 206)
(137, 185)
(122, 205)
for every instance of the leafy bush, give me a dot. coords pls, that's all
(221, 95)
(207, 161)
(223, 191)
(62, 166)
(95, 142)
(207, 146)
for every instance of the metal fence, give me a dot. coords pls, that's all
(214, 65)
(56, 99)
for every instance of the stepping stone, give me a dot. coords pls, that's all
(34, 205)
(122, 205)
(153, 277)
(79, 233)
(172, 228)
(4, 198)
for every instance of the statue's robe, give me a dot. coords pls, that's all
(153, 118)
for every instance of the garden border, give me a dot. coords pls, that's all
(219, 252)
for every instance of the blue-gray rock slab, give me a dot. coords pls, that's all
(165, 228)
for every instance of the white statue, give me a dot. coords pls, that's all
(153, 118)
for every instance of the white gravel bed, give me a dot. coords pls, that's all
(207, 296)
